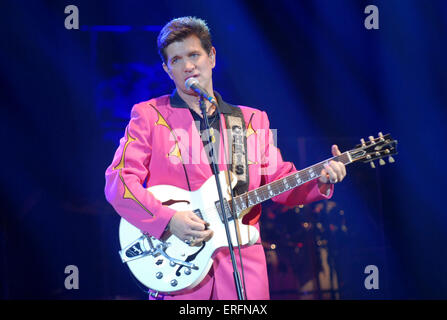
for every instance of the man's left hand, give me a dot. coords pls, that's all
(334, 171)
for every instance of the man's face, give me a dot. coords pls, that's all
(187, 59)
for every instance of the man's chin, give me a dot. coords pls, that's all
(188, 92)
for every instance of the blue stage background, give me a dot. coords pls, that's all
(322, 77)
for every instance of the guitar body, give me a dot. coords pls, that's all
(169, 265)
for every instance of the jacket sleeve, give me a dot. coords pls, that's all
(126, 174)
(273, 168)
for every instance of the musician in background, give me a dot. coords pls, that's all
(165, 143)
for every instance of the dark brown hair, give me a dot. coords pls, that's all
(179, 29)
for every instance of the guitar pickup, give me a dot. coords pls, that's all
(198, 213)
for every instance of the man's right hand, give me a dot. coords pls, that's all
(187, 226)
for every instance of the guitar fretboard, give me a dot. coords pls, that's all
(285, 184)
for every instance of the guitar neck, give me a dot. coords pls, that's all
(285, 184)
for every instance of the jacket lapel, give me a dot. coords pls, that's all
(190, 143)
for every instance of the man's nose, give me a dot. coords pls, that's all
(189, 66)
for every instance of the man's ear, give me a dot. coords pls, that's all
(212, 56)
(166, 69)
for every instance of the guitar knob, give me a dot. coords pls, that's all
(390, 159)
(382, 163)
(172, 264)
(159, 275)
(187, 271)
(173, 283)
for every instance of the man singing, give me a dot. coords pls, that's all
(152, 152)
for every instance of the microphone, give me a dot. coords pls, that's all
(193, 84)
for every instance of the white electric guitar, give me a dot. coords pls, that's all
(169, 265)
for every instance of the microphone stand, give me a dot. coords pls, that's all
(236, 276)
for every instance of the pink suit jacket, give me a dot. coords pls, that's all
(162, 145)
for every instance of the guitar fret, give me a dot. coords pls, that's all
(250, 202)
(260, 194)
(241, 204)
(263, 192)
(292, 182)
(237, 206)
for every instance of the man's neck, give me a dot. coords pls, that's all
(193, 103)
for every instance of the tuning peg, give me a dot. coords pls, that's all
(382, 162)
(363, 142)
(390, 159)
(371, 138)
(372, 165)
(381, 136)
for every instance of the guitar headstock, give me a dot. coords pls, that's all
(375, 149)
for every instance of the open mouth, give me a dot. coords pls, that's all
(194, 76)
